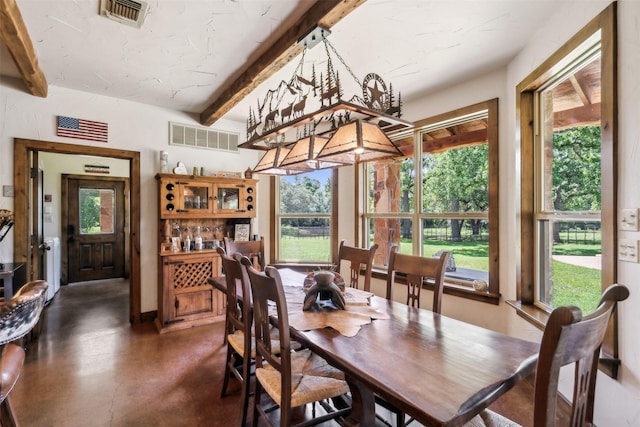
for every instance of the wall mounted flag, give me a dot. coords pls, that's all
(82, 129)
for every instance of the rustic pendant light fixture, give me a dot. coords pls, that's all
(269, 164)
(303, 155)
(356, 142)
(337, 133)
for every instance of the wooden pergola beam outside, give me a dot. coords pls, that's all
(15, 36)
(324, 12)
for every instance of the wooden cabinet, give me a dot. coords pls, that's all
(183, 196)
(185, 298)
(211, 205)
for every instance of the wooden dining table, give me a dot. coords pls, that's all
(438, 370)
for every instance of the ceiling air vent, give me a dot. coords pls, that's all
(201, 137)
(127, 12)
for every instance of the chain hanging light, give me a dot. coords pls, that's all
(337, 133)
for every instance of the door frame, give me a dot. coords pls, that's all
(22, 149)
(64, 234)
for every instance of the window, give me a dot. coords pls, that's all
(447, 201)
(567, 129)
(96, 211)
(567, 220)
(304, 217)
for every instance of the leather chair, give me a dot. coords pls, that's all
(568, 338)
(18, 316)
(252, 249)
(417, 269)
(357, 258)
(291, 379)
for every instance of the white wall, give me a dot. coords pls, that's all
(132, 126)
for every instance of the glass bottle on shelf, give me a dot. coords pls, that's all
(198, 239)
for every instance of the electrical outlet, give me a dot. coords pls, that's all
(7, 190)
(628, 250)
(629, 219)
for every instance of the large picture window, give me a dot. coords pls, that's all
(304, 217)
(448, 201)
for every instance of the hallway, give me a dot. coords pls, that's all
(89, 367)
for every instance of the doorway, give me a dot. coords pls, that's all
(95, 213)
(25, 150)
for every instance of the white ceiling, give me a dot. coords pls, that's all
(187, 49)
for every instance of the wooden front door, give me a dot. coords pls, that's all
(95, 227)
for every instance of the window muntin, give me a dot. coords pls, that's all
(304, 217)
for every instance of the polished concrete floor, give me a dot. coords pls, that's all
(89, 367)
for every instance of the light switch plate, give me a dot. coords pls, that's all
(628, 250)
(7, 190)
(629, 219)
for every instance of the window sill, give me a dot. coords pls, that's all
(538, 317)
(532, 314)
(450, 289)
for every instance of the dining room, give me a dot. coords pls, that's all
(487, 172)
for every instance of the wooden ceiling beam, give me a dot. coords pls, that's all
(589, 115)
(15, 36)
(324, 12)
(455, 141)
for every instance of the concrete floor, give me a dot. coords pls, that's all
(89, 367)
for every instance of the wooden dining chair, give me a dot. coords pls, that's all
(18, 317)
(238, 330)
(357, 258)
(568, 338)
(290, 379)
(252, 249)
(417, 270)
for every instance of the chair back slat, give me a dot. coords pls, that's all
(252, 249)
(416, 269)
(571, 338)
(358, 258)
(239, 313)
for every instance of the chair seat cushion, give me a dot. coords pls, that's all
(488, 418)
(236, 340)
(312, 379)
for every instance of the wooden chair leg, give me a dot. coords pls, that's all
(227, 371)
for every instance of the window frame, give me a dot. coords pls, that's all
(274, 226)
(451, 287)
(606, 23)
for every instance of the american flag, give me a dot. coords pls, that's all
(82, 129)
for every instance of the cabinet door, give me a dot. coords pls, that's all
(195, 198)
(189, 294)
(234, 199)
